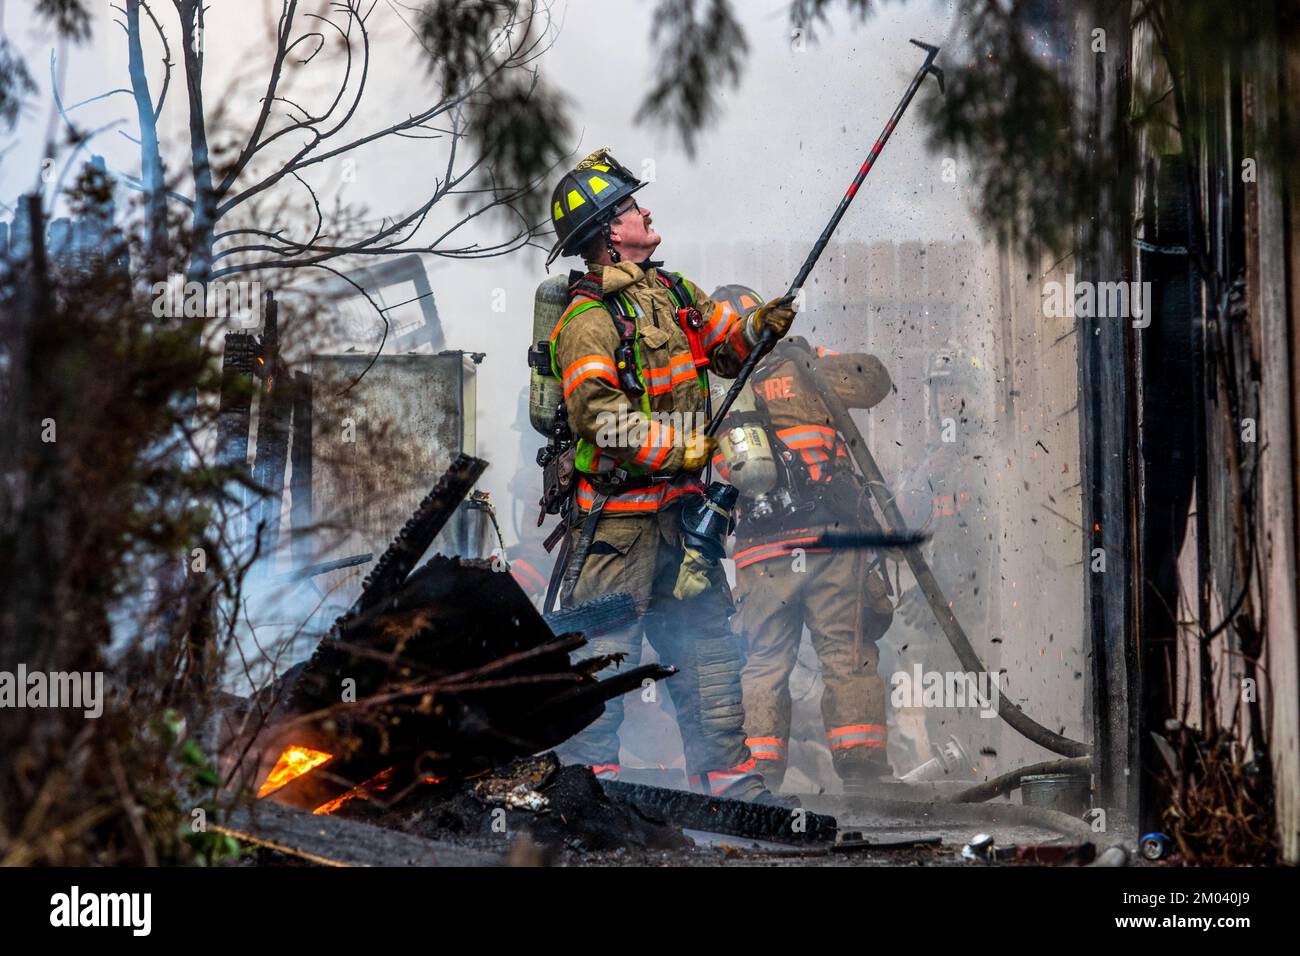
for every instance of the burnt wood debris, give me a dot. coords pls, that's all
(420, 710)
(441, 671)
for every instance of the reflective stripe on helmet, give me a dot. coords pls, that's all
(740, 297)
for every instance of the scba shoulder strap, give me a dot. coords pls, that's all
(585, 284)
(627, 359)
(677, 288)
(690, 320)
(586, 292)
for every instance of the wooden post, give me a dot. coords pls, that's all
(300, 508)
(1279, 330)
(1107, 436)
(272, 430)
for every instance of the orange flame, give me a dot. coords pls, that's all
(334, 804)
(376, 784)
(293, 763)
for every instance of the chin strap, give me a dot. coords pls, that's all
(609, 246)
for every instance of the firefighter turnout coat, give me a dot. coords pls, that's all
(637, 546)
(784, 582)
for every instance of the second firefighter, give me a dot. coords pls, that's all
(785, 454)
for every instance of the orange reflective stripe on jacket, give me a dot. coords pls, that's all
(815, 444)
(579, 305)
(716, 325)
(856, 735)
(815, 458)
(808, 436)
(659, 440)
(776, 549)
(662, 379)
(645, 500)
(589, 366)
(737, 337)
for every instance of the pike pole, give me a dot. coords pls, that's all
(767, 341)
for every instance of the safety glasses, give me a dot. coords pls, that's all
(625, 207)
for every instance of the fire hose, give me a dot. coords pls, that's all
(1007, 782)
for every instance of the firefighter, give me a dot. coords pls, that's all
(631, 352)
(784, 582)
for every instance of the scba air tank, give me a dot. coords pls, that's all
(544, 389)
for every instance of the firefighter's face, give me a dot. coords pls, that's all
(631, 232)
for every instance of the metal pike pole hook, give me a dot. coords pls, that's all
(767, 340)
